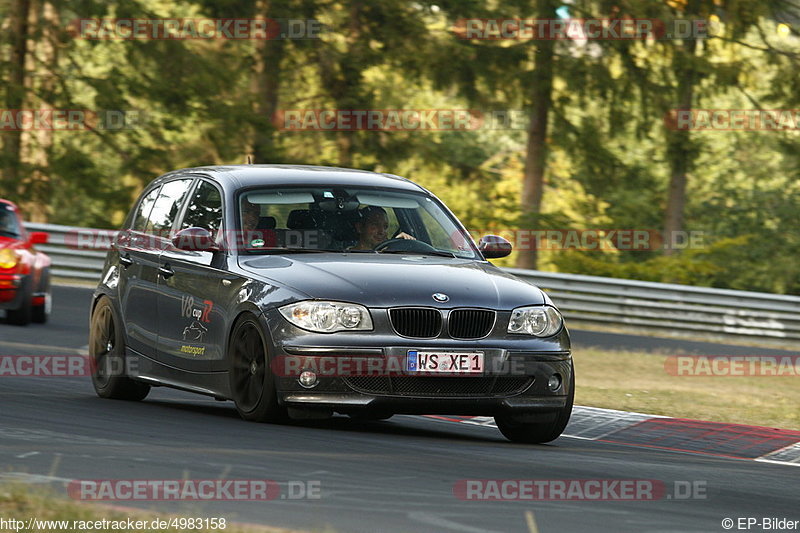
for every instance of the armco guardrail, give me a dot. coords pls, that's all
(71, 258)
(668, 306)
(616, 302)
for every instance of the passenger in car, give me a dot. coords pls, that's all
(257, 231)
(250, 215)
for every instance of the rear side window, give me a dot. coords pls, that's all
(143, 211)
(205, 209)
(167, 206)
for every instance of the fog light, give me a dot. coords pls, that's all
(308, 379)
(554, 383)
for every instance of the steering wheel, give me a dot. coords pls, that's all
(403, 245)
(385, 244)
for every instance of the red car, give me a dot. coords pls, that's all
(24, 272)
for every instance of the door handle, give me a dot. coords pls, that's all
(126, 260)
(166, 271)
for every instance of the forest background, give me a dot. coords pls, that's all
(574, 135)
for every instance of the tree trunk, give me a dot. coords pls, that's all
(344, 142)
(15, 92)
(680, 151)
(536, 154)
(343, 80)
(36, 186)
(265, 86)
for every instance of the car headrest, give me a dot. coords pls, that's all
(340, 225)
(266, 223)
(301, 219)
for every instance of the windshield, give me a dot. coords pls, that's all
(348, 220)
(8, 222)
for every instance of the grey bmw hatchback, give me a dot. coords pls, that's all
(304, 291)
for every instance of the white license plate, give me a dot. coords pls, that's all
(446, 362)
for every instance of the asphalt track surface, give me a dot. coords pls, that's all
(396, 475)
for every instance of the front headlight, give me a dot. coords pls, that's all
(540, 321)
(328, 317)
(8, 258)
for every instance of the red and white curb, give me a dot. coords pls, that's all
(736, 441)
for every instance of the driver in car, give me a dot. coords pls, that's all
(372, 226)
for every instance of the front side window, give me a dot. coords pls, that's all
(167, 206)
(348, 220)
(143, 210)
(205, 209)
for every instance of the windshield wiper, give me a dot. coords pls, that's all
(10, 234)
(284, 250)
(440, 253)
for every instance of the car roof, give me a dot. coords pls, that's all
(245, 176)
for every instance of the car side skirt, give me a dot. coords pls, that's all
(157, 374)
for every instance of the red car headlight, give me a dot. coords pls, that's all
(8, 259)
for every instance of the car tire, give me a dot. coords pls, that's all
(538, 432)
(107, 356)
(252, 381)
(41, 313)
(21, 316)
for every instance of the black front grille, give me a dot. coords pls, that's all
(416, 322)
(470, 323)
(375, 384)
(440, 386)
(449, 386)
(510, 385)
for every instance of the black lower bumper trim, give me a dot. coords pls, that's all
(345, 403)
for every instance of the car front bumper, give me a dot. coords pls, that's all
(12, 290)
(517, 374)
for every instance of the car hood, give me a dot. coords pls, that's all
(395, 280)
(8, 242)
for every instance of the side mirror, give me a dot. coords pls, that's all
(494, 246)
(38, 237)
(195, 240)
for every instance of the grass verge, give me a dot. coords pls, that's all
(631, 381)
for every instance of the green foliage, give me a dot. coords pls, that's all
(702, 267)
(609, 151)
